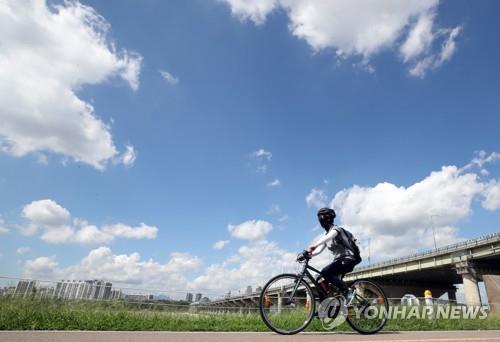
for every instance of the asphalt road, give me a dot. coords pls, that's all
(139, 336)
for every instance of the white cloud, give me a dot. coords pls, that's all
(357, 28)
(58, 226)
(353, 27)
(23, 250)
(263, 154)
(398, 218)
(171, 79)
(255, 10)
(28, 230)
(86, 234)
(276, 182)
(220, 244)
(47, 55)
(261, 168)
(47, 213)
(142, 231)
(449, 46)
(316, 198)
(480, 161)
(3, 228)
(129, 156)
(492, 195)
(421, 68)
(43, 268)
(261, 157)
(435, 60)
(101, 263)
(253, 264)
(250, 230)
(131, 68)
(420, 37)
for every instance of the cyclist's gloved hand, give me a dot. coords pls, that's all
(303, 256)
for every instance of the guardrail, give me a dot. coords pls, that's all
(440, 250)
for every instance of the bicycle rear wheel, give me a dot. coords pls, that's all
(283, 312)
(367, 311)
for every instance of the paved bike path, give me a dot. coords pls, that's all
(139, 336)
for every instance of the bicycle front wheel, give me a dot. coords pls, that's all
(367, 311)
(282, 310)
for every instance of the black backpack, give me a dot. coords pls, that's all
(349, 241)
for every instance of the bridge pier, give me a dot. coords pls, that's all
(471, 289)
(469, 275)
(492, 284)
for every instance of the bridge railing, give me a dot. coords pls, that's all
(440, 250)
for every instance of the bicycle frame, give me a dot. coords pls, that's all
(321, 293)
(305, 272)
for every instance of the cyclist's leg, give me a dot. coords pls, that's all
(335, 270)
(332, 272)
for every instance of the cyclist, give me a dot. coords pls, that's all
(342, 244)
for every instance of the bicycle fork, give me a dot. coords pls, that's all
(289, 299)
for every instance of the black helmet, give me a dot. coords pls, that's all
(325, 217)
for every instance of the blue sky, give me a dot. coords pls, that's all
(240, 83)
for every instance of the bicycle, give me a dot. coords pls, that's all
(287, 303)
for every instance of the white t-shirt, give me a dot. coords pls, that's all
(329, 240)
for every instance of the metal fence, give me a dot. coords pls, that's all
(101, 292)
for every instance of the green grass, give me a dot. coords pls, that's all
(42, 314)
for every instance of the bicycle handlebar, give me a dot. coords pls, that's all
(303, 256)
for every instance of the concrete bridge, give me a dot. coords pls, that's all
(250, 302)
(438, 270)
